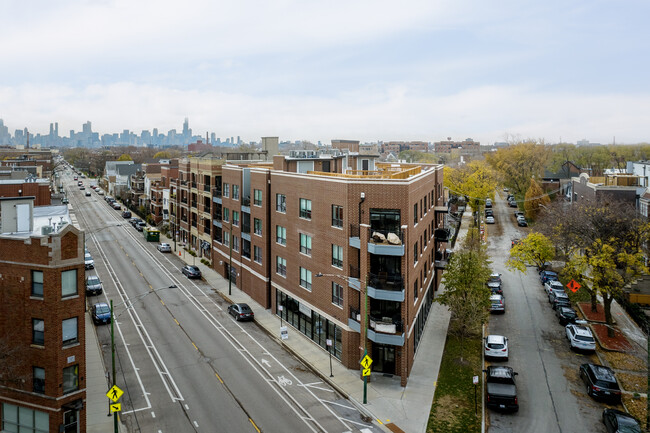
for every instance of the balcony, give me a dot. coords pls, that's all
(355, 240)
(382, 330)
(184, 200)
(442, 259)
(206, 187)
(387, 287)
(193, 184)
(194, 204)
(206, 228)
(441, 235)
(354, 320)
(216, 192)
(385, 242)
(246, 201)
(194, 224)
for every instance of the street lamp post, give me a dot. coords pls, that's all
(230, 262)
(173, 286)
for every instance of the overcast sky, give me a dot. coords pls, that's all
(318, 70)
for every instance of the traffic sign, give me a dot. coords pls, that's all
(116, 407)
(114, 393)
(366, 372)
(573, 285)
(366, 362)
(475, 380)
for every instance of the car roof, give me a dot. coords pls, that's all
(496, 339)
(562, 294)
(495, 297)
(602, 373)
(581, 330)
(567, 310)
(101, 304)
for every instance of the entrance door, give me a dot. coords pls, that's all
(383, 357)
(71, 421)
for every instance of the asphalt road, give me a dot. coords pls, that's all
(551, 397)
(183, 363)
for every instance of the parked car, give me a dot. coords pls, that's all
(93, 285)
(89, 262)
(552, 294)
(126, 214)
(496, 346)
(580, 337)
(100, 191)
(519, 213)
(601, 382)
(561, 300)
(489, 212)
(512, 203)
(87, 193)
(108, 198)
(545, 276)
(501, 390)
(164, 248)
(117, 206)
(566, 315)
(489, 219)
(134, 220)
(191, 271)
(617, 421)
(140, 226)
(552, 284)
(494, 283)
(65, 200)
(521, 221)
(241, 312)
(488, 203)
(101, 313)
(497, 304)
(75, 178)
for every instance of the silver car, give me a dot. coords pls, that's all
(89, 262)
(580, 337)
(497, 304)
(164, 248)
(496, 346)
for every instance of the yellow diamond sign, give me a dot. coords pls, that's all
(366, 372)
(366, 362)
(114, 393)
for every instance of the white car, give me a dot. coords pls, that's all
(580, 337)
(550, 285)
(496, 346)
(489, 219)
(100, 191)
(89, 262)
(164, 248)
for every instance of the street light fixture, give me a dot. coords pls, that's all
(129, 305)
(365, 320)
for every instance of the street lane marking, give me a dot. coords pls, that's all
(177, 322)
(161, 301)
(337, 404)
(153, 414)
(196, 424)
(256, 429)
(195, 346)
(187, 407)
(218, 377)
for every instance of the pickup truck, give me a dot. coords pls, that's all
(501, 389)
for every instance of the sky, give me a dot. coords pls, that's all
(314, 70)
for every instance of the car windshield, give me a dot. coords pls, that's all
(569, 313)
(585, 338)
(93, 280)
(102, 309)
(88, 257)
(628, 425)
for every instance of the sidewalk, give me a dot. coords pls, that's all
(97, 419)
(405, 408)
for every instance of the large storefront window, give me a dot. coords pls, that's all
(318, 328)
(421, 319)
(22, 419)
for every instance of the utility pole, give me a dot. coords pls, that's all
(113, 360)
(230, 263)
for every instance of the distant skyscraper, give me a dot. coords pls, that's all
(87, 128)
(186, 128)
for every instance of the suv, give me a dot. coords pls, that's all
(561, 300)
(88, 261)
(126, 214)
(552, 284)
(566, 315)
(553, 293)
(498, 304)
(488, 203)
(545, 276)
(93, 285)
(496, 346)
(494, 283)
(580, 337)
(601, 382)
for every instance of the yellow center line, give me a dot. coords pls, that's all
(258, 430)
(195, 346)
(176, 320)
(218, 377)
(379, 421)
(161, 301)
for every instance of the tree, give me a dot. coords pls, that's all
(162, 155)
(535, 197)
(466, 293)
(533, 250)
(518, 163)
(125, 157)
(476, 180)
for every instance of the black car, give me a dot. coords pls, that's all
(600, 382)
(93, 285)
(241, 312)
(617, 421)
(140, 225)
(560, 302)
(489, 212)
(134, 221)
(126, 214)
(566, 315)
(101, 313)
(191, 271)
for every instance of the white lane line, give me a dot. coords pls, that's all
(338, 404)
(153, 414)
(196, 424)
(187, 407)
(316, 387)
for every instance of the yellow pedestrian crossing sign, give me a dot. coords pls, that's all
(366, 362)
(114, 393)
(116, 407)
(366, 372)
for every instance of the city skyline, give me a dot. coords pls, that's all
(367, 71)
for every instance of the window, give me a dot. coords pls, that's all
(235, 218)
(415, 214)
(226, 238)
(337, 294)
(257, 254)
(38, 332)
(415, 253)
(68, 283)
(337, 256)
(71, 378)
(235, 243)
(226, 214)
(281, 266)
(257, 226)
(22, 419)
(235, 192)
(280, 203)
(226, 190)
(245, 248)
(257, 197)
(69, 331)
(337, 216)
(305, 278)
(415, 290)
(281, 235)
(421, 207)
(305, 244)
(426, 239)
(305, 208)
(38, 374)
(425, 205)
(37, 283)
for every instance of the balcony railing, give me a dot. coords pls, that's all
(206, 229)
(246, 201)
(386, 281)
(246, 228)
(355, 272)
(216, 192)
(380, 324)
(183, 200)
(194, 204)
(217, 216)
(206, 187)
(387, 237)
(194, 224)
(193, 184)
(354, 230)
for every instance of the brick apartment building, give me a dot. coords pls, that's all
(446, 146)
(42, 339)
(316, 232)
